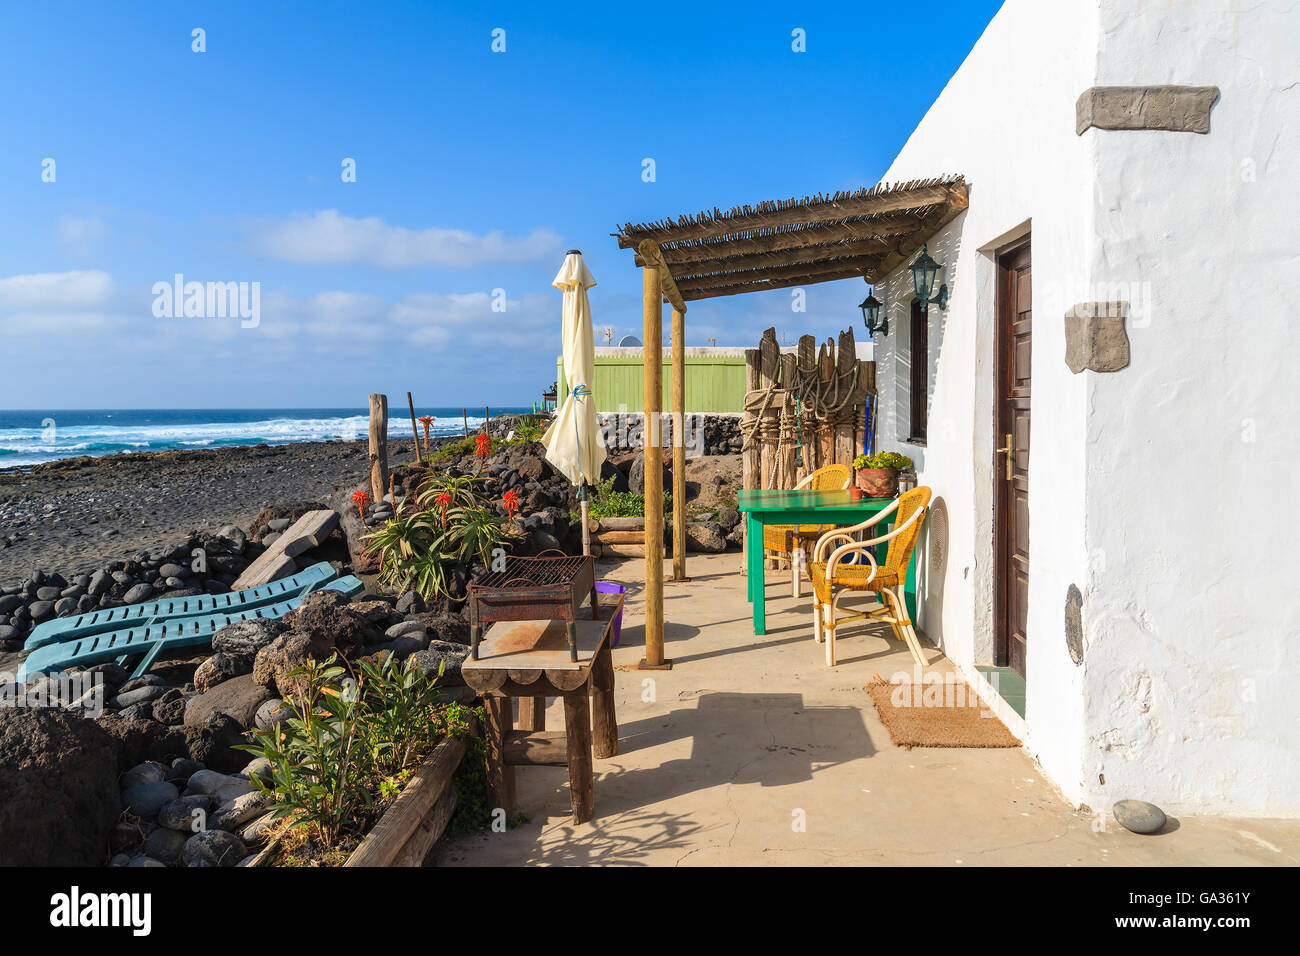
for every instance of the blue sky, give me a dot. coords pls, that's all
(475, 171)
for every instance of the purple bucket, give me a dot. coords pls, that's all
(609, 587)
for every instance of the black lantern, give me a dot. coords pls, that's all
(870, 307)
(924, 270)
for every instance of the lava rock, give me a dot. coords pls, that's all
(151, 771)
(705, 536)
(288, 653)
(441, 653)
(138, 593)
(138, 740)
(243, 639)
(55, 768)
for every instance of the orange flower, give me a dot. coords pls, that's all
(361, 499)
(443, 501)
(510, 501)
(482, 445)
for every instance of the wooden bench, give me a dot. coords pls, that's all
(530, 660)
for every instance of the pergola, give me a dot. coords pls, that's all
(774, 245)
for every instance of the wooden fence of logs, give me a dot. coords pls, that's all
(803, 409)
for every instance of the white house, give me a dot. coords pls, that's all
(1123, 291)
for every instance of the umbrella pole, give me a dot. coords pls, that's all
(586, 525)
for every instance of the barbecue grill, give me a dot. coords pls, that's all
(531, 589)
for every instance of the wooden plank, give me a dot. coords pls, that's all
(621, 537)
(537, 749)
(278, 560)
(532, 713)
(412, 805)
(428, 832)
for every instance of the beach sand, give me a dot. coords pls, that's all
(77, 514)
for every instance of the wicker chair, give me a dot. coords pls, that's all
(831, 577)
(792, 541)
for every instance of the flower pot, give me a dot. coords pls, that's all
(856, 493)
(878, 482)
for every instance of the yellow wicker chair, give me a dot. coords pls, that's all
(831, 577)
(791, 541)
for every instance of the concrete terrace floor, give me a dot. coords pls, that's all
(747, 734)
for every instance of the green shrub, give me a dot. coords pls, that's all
(352, 742)
(605, 502)
(884, 459)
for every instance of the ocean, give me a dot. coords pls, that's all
(31, 437)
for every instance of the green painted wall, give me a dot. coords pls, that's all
(714, 383)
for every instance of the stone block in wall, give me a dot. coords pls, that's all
(1180, 109)
(1095, 337)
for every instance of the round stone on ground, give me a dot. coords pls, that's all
(213, 848)
(1139, 816)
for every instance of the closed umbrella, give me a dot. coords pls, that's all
(573, 442)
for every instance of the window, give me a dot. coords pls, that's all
(919, 360)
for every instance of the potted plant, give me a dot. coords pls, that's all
(877, 475)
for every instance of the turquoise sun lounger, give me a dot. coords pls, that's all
(150, 638)
(200, 605)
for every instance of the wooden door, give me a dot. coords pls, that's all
(1011, 461)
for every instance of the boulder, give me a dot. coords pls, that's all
(58, 789)
(146, 799)
(187, 814)
(213, 743)
(164, 845)
(218, 669)
(271, 713)
(243, 639)
(151, 771)
(238, 697)
(325, 619)
(213, 848)
(442, 653)
(705, 536)
(288, 653)
(137, 740)
(236, 812)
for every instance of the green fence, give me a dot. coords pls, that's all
(714, 382)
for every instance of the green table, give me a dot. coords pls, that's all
(807, 507)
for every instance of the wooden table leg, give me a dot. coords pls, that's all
(577, 728)
(532, 713)
(500, 775)
(604, 723)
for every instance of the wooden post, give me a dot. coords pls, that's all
(415, 432)
(464, 416)
(652, 380)
(487, 418)
(500, 775)
(378, 446)
(679, 446)
(604, 721)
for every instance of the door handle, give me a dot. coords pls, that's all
(1009, 450)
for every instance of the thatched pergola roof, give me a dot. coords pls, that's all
(775, 245)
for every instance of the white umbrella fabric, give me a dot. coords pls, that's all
(573, 442)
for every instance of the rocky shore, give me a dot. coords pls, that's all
(137, 760)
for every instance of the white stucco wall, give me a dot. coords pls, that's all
(1191, 610)
(1191, 645)
(1006, 122)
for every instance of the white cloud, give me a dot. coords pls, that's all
(327, 238)
(81, 234)
(79, 289)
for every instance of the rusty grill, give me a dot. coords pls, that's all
(531, 589)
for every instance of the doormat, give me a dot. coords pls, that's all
(942, 714)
